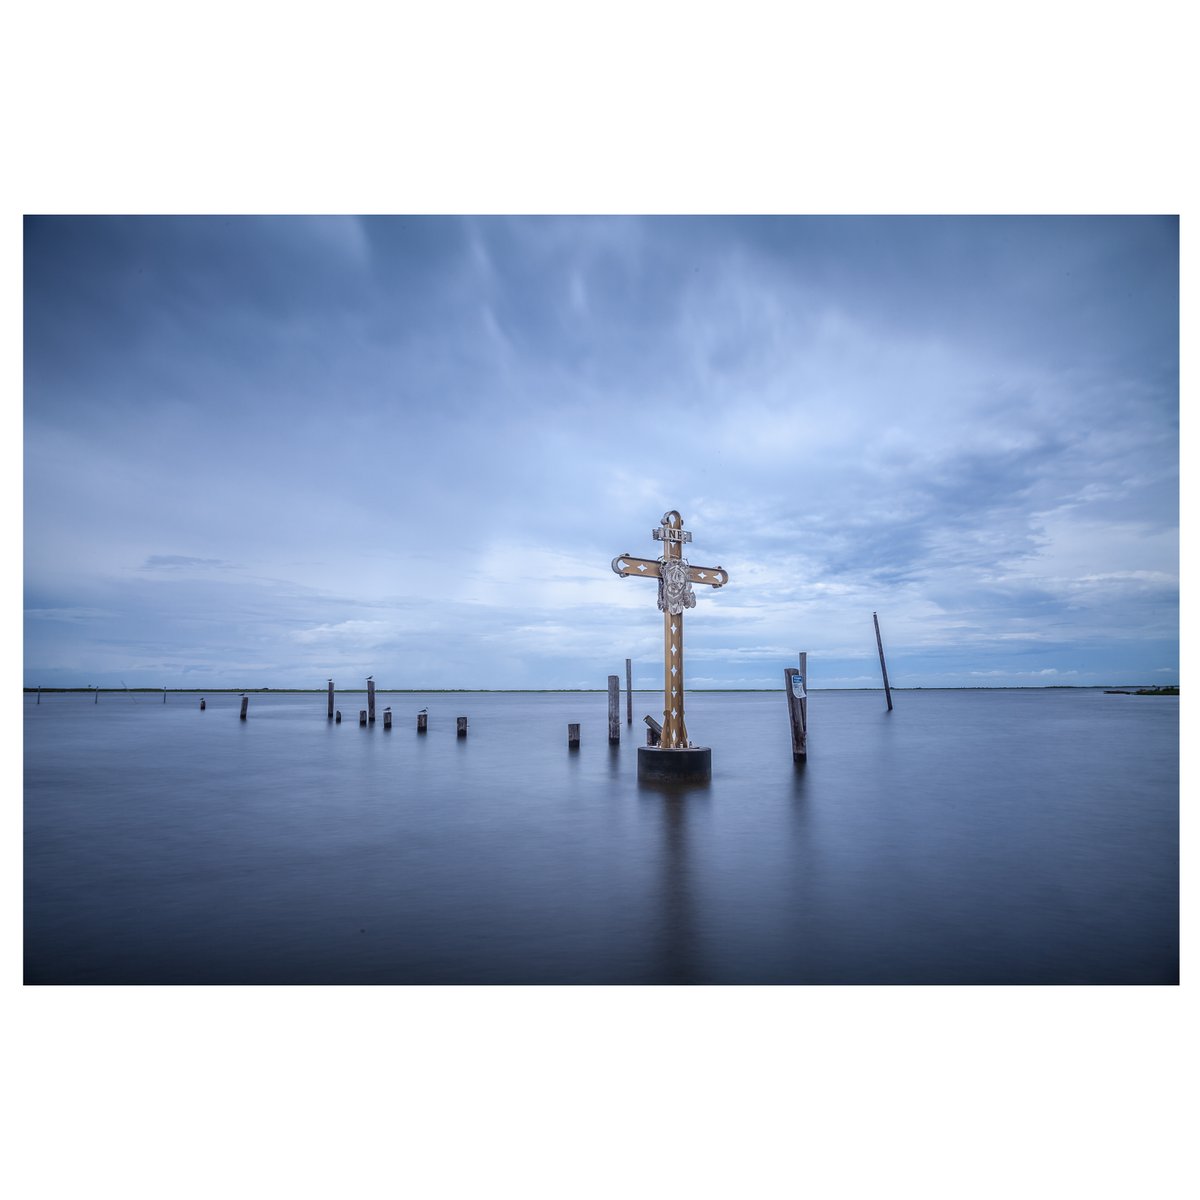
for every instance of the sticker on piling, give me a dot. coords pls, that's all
(798, 687)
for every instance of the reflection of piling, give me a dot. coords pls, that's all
(462, 726)
(371, 701)
(795, 685)
(572, 737)
(614, 709)
(387, 718)
(887, 690)
(245, 704)
(329, 713)
(628, 691)
(422, 722)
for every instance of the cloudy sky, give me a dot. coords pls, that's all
(264, 451)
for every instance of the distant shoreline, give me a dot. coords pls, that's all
(1146, 688)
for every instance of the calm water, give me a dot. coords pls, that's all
(966, 837)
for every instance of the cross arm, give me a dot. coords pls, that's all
(627, 564)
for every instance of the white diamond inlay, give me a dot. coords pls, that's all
(702, 575)
(673, 713)
(674, 627)
(641, 566)
(672, 649)
(672, 670)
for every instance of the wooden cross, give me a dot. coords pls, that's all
(675, 577)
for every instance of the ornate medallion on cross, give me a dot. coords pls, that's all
(675, 577)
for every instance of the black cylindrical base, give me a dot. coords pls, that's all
(656, 765)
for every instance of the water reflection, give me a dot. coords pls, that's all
(678, 942)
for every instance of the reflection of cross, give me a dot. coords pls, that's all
(675, 577)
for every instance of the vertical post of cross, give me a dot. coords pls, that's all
(674, 734)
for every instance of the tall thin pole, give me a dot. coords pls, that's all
(628, 691)
(330, 714)
(887, 689)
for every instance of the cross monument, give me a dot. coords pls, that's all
(675, 577)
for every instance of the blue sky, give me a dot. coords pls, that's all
(263, 451)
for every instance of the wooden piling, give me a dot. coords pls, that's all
(462, 726)
(164, 695)
(653, 731)
(245, 703)
(39, 699)
(422, 722)
(329, 714)
(795, 685)
(371, 700)
(887, 688)
(572, 737)
(628, 691)
(96, 697)
(387, 718)
(201, 703)
(337, 718)
(362, 716)
(614, 709)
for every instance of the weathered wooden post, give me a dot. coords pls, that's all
(795, 684)
(362, 716)
(572, 737)
(39, 699)
(337, 719)
(164, 695)
(387, 718)
(201, 703)
(614, 709)
(462, 726)
(329, 712)
(653, 731)
(628, 691)
(96, 697)
(371, 699)
(422, 721)
(245, 703)
(676, 759)
(887, 690)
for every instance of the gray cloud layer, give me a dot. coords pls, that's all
(266, 450)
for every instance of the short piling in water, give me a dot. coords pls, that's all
(572, 737)
(462, 726)
(96, 697)
(629, 691)
(329, 712)
(795, 685)
(422, 721)
(887, 689)
(614, 709)
(39, 699)
(337, 719)
(371, 699)
(387, 718)
(245, 705)
(362, 716)
(201, 703)
(653, 731)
